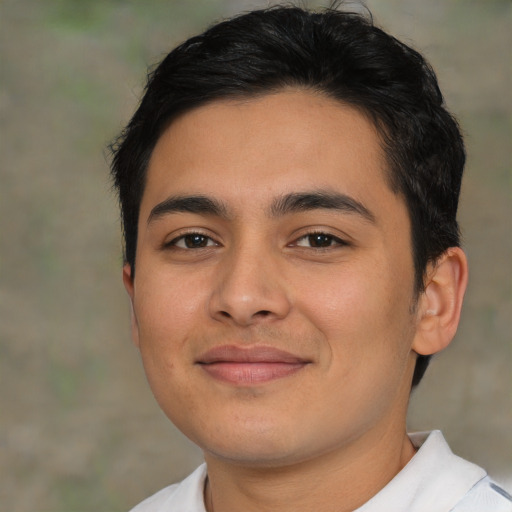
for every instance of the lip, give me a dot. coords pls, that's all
(250, 365)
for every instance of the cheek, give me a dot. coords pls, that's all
(366, 327)
(361, 311)
(167, 311)
(166, 302)
(167, 315)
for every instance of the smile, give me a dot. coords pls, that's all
(248, 366)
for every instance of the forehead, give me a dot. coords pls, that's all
(247, 152)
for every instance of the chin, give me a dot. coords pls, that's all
(255, 457)
(256, 446)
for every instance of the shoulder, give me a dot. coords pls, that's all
(155, 502)
(186, 496)
(437, 480)
(485, 495)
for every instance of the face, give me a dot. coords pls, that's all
(274, 292)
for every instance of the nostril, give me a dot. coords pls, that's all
(263, 313)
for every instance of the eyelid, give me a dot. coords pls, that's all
(188, 232)
(340, 240)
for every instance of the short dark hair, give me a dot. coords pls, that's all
(340, 54)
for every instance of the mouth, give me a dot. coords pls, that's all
(251, 365)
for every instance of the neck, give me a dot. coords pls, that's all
(340, 481)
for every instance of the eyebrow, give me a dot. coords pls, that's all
(198, 204)
(320, 200)
(289, 203)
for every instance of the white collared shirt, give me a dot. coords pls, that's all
(434, 480)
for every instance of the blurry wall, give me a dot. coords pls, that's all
(79, 429)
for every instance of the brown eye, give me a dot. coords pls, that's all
(192, 241)
(319, 241)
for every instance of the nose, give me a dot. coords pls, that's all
(249, 289)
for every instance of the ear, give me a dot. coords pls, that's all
(130, 289)
(440, 304)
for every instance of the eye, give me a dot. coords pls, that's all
(319, 241)
(192, 241)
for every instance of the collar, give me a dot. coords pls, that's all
(434, 479)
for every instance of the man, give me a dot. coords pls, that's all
(289, 188)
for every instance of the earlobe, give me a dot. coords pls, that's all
(440, 304)
(129, 286)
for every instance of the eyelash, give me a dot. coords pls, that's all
(183, 237)
(333, 241)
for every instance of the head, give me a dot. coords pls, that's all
(339, 55)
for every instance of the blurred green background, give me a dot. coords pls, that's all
(79, 429)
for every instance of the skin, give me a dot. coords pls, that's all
(330, 434)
